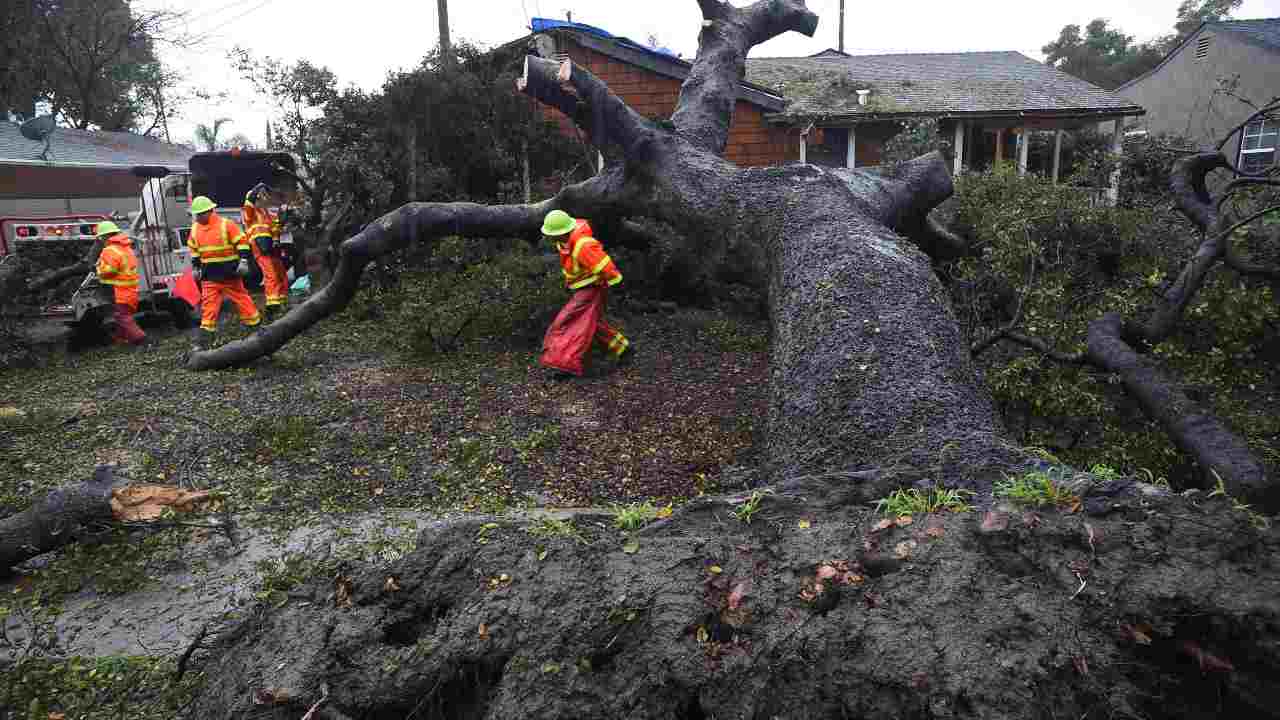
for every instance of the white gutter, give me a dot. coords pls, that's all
(100, 166)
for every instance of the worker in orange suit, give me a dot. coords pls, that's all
(263, 228)
(118, 268)
(589, 273)
(220, 261)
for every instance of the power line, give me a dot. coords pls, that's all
(229, 8)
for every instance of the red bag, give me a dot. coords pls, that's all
(568, 340)
(186, 289)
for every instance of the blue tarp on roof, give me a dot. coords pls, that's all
(545, 24)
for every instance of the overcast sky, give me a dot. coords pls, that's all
(362, 41)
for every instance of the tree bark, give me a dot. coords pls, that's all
(1197, 432)
(56, 520)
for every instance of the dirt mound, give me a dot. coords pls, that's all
(1140, 604)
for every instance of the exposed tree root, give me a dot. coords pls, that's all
(957, 615)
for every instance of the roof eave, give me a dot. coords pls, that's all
(677, 68)
(36, 162)
(784, 118)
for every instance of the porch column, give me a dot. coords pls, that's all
(1024, 142)
(1117, 152)
(851, 154)
(1057, 154)
(804, 147)
(999, 146)
(961, 127)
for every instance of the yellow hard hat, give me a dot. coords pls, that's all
(557, 222)
(201, 204)
(106, 227)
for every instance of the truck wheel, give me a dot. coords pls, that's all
(184, 316)
(89, 331)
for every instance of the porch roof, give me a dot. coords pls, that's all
(978, 84)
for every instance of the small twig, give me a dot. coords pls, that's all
(1083, 583)
(1027, 341)
(186, 655)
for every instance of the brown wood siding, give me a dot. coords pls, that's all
(28, 181)
(751, 141)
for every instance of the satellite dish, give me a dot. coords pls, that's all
(39, 129)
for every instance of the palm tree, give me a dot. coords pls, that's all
(207, 135)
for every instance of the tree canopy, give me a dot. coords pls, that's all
(1107, 57)
(91, 63)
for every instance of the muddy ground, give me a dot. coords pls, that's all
(343, 446)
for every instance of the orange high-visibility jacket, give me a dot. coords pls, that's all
(263, 228)
(584, 262)
(258, 221)
(221, 241)
(117, 265)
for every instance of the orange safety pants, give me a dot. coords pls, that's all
(126, 330)
(211, 293)
(275, 279)
(581, 321)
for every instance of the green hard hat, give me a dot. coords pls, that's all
(106, 227)
(557, 222)
(201, 204)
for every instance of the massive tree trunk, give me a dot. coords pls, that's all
(805, 608)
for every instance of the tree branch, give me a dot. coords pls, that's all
(1026, 341)
(1269, 108)
(411, 223)
(902, 196)
(1191, 427)
(707, 96)
(1189, 192)
(608, 121)
(1192, 197)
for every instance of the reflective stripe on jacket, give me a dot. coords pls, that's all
(117, 265)
(263, 228)
(218, 242)
(583, 261)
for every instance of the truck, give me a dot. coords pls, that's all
(159, 228)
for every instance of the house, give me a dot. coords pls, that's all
(1197, 89)
(79, 171)
(988, 103)
(838, 110)
(648, 79)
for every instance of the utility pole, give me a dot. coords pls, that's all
(446, 50)
(841, 24)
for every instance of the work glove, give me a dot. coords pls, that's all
(242, 269)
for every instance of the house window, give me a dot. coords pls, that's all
(1258, 150)
(1202, 47)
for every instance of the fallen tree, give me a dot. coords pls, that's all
(792, 601)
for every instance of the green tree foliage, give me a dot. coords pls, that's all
(89, 62)
(1193, 12)
(1108, 58)
(207, 135)
(1052, 260)
(1101, 55)
(437, 132)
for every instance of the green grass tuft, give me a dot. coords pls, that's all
(634, 516)
(1035, 488)
(913, 501)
